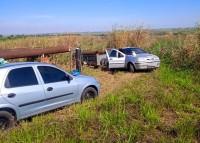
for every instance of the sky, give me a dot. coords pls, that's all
(59, 16)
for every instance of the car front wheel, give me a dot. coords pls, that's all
(88, 93)
(131, 68)
(6, 120)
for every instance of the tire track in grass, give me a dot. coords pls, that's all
(110, 82)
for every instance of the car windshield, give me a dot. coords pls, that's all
(130, 51)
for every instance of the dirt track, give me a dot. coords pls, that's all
(109, 82)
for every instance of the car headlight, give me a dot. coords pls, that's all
(156, 58)
(139, 60)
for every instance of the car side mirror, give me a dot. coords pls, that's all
(68, 78)
(120, 55)
(133, 53)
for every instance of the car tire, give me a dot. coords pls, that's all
(96, 66)
(103, 64)
(6, 120)
(150, 70)
(88, 93)
(131, 68)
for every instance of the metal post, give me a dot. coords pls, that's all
(78, 59)
(70, 60)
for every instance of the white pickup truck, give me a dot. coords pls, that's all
(130, 58)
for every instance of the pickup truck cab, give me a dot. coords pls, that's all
(131, 58)
(29, 88)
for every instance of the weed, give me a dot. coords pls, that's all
(149, 114)
(129, 133)
(111, 102)
(186, 127)
(84, 114)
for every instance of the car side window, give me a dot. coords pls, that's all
(113, 53)
(121, 50)
(120, 55)
(21, 77)
(51, 74)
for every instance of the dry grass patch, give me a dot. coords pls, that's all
(111, 82)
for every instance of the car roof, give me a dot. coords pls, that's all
(128, 47)
(17, 64)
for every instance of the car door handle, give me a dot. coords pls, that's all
(111, 59)
(49, 88)
(11, 95)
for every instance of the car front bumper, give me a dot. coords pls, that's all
(147, 65)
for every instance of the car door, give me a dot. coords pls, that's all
(116, 59)
(59, 90)
(22, 89)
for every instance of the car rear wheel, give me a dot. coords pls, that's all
(6, 120)
(131, 68)
(88, 93)
(150, 70)
(104, 64)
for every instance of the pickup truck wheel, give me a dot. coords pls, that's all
(88, 93)
(131, 68)
(6, 120)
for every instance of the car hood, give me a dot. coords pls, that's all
(84, 78)
(146, 56)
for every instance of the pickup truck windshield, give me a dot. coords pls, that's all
(129, 51)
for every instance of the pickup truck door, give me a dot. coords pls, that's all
(116, 59)
(59, 90)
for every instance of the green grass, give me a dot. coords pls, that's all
(161, 106)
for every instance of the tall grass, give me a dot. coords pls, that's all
(180, 51)
(39, 41)
(85, 41)
(129, 36)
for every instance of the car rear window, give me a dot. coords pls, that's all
(21, 77)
